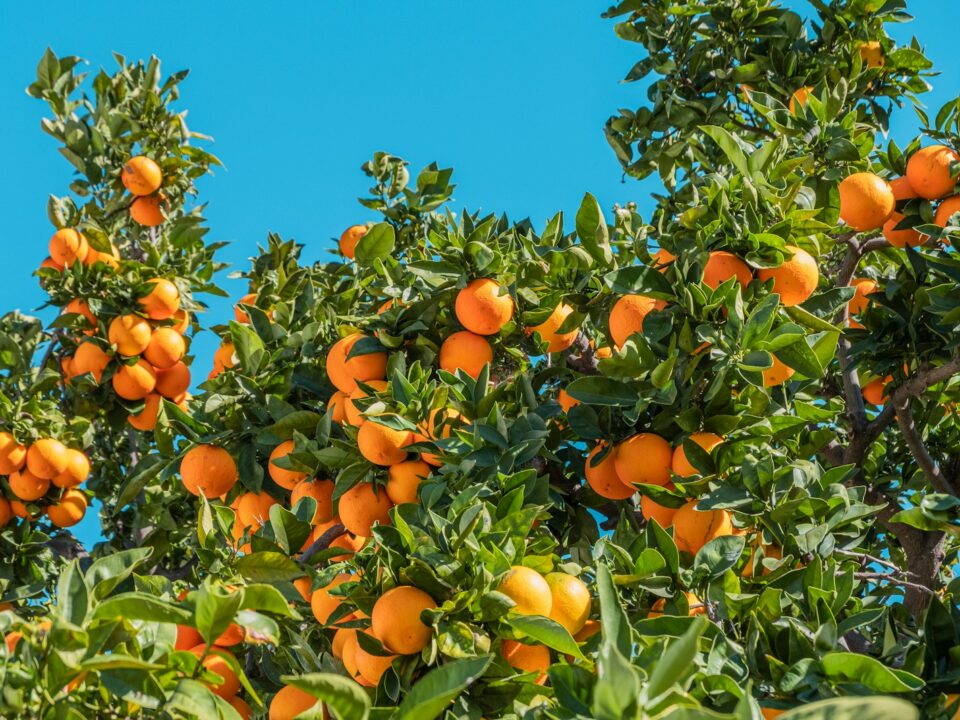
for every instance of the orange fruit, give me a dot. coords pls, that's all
(900, 238)
(146, 419)
(253, 511)
(928, 171)
(778, 373)
(721, 266)
(166, 348)
(483, 307)
(76, 471)
(603, 352)
(68, 246)
(216, 662)
(692, 528)
(89, 358)
(322, 603)
(527, 658)
(661, 258)
(946, 209)
(233, 635)
(770, 713)
(872, 54)
(69, 509)
(304, 586)
(338, 405)
(465, 351)
(134, 382)
(570, 601)
(858, 303)
(282, 476)
(796, 279)
(395, 620)
(181, 319)
(187, 638)
(875, 391)
(652, 510)
(528, 589)
(382, 445)
(445, 419)
(20, 510)
(130, 333)
(319, 490)
(6, 512)
(78, 306)
(238, 313)
(774, 552)
(12, 454)
(349, 239)
(111, 259)
(163, 300)
(146, 211)
(626, 317)
(208, 469)
(799, 99)
(567, 402)
(47, 458)
(680, 465)
(352, 410)
(644, 458)
(602, 477)
(141, 176)
(403, 480)
(349, 659)
(866, 201)
(694, 606)
(371, 667)
(27, 486)
(50, 263)
(240, 705)
(344, 373)
(902, 189)
(361, 507)
(289, 702)
(174, 381)
(547, 330)
(340, 638)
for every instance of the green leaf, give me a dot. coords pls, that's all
(439, 687)
(302, 421)
(598, 390)
(855, 708)
(844, 667)
(215, 611)
(268, 566)
(718, 555)
(376, 244)
(73, 598)
(639, 280)
(731, 148)
(344, 696)
(546, 631)
(140, 606)
(106, 573)
(592, 230)
(676, 664)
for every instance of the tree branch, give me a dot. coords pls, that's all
(918, 448)
(322, 542)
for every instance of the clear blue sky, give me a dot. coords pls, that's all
(512, 94)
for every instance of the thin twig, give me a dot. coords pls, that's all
(323, 542)
(892, 579)
(918, 448)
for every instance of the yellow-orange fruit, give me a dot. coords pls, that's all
(527, 658)
(866, 201)
(89, 358)
(361, 506)
(680, 465)
(902, 189)
(146, 211)
(928, 171)
(770, 713)
(78, 306)
(692, 528)
(163, 300)
(110, 259)
(446, 419)
(6, 513)
(483, 307)
(652, 510)
(778, 373)
(134, 382)
(216, 662)
(249, 299)
(146, 419)
(603, 353)
(47, 458)
(528, 589)
(27, 486)
(644, 458)
(796, 279)
(253, 511)
(352, 411)
(900, 238)
(875, 391)
(187, 638)
(349, 239)
(602, 477)
(556, 341)
(322, 603)
(349, 659)
(141, 176)
(566, 400)
(872, 54)
(946, 209)
(289, 702)
(208, 469)
(774, 552)
(76, 471)
(371, 667)
(403, 480)
(69, 509)
(858, 303)
(166, 348)
(694, 606)
(51, 264)
(662, 258)
(12, 454)
(174, 381)
(395, 620)
(130, 333)
(240, 705)
(382, 445)
(233, 635)
(68, 246)
(799, 99)
(344, 373)
(304, 586)
(20, 509)
(626, 317)
(321, 491)
(281, 476)
(338, 405)
(569, 601)
(721, 266)
(465, 351)
(181, 319)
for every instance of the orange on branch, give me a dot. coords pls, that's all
(78, 306)
(352, 411)
(662, 258)
(902, 190)
(778, 373)
(863, 287)
(146, 211)
(163, 300)
(6, 512)
(68, 246)
(947, 209)
(322, 603)
(395, 620)
(289, 702)
(47, 458)
(362, 506)
(134, 382)
(209, 470)
(371, 667)
(528, 589)
(146, 419)
(866, 201)
(253, 510)
(527, 658)
(799, 99)
(166, 348)
(141, 176)
(548, 330)
(283, 477)
(130, 333)
(240, 705)
(567, 401)
(465, 351)
(692, 528)
(721, 266)
(216, 662)
(76, 471)
(875, 391)
(795, 279)
(174, 381)
(652, 510)
(626, 317)
(27, 487)
(187, 638)
(680, 465)
(872, 54)
(644, 458)
(602, 476)
(403, 480)
(89, 358)
(569, 601)
(12, 454)
(900, 238)
(321, 491)
(382, 445)
(344, 373)
(483, 307)
(928, 171)
(349, 239)
(69, 509)
(349, 659)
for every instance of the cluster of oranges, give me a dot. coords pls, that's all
(47, 473)
(143, 178)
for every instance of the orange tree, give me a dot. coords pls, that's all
(703, 465)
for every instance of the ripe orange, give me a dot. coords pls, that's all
(662, 258)
(556, 342)
(76, 471)
(146, 419)
(361, 507)
(680, 465)
(900, 238)
(603, 352)
(27, 486)
(872, 54)
(12, 454)
(319, 490)
(626, 317)
(465, 351)
(89, 358)
(382, 445)
(130, 333)
(371, 667)
(187, 638)
(928, 171)
(304, 586)
(570, 601)
(337, 404)
(858, 303)
(344, 373)
(721, 266)
(770, 713)
(528, 589)
(946, 209)
(282, 476)
(166, 348)
(352, 410)
(774, 552)
(253, 511)
(799, 99)
(403, 480)
(21, 511)
(77, 306)
(566, 400)
(692, 528)
(163, 300)
(527, 658)
(134, 382)
(68, 246)
(174, 381)
(51, 264)
(340, 637)
(248, 299)
(181, 320)
(652, 510)
(796, 279)
(110, 259)
(395, 620)
(240, 705)
(349, 239)
(322, 603)
(349, 658)
(694, 606)
(778, 373)
(141, 176)
(216, 662)
(483, 307)
(866, 201)
(6, 512)
(208, 469)
(602, 477)
(289, 702)
(47, 458)
(644, 458)
(233, 635)
(146, 211)
(902, 189)
(69, 510)
(875, 391)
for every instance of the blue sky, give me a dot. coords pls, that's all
(512, 94)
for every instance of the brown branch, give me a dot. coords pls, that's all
(581, 357)
(893, 579)
(918, 448)
(322, 542)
